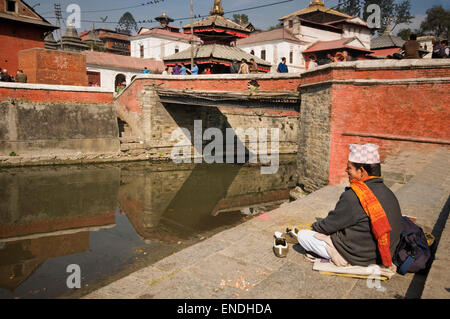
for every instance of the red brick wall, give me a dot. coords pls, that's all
(394, 113)
(54, 67)
(15, 37)
(33, 95)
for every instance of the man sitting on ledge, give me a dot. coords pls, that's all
(365, 227)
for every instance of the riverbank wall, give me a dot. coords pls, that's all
(398, 105)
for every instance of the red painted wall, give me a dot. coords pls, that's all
(54, 67)
(398, 112)
(15, 37)
(41, 96)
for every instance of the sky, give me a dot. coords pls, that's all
(261, 18)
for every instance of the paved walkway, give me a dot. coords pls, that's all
(240, 263)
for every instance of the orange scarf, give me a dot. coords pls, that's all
(377, 215)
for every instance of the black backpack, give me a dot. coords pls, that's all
(412, 253)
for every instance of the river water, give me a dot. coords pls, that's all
(113, 219)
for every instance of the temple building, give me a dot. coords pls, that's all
(21, 28)
(161, 41)
(72, 42)
(219, 36)
(115, 42)
(313, 31)
(386, 45)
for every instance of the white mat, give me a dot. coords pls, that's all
(373, 271)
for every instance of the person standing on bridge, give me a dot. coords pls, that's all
(365, 227)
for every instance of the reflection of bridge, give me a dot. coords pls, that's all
(185, 202)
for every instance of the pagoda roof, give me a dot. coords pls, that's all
(387, 40)
(215, 53)
(217, 21)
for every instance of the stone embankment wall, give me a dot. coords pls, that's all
(396, 104)
(42, 129)
(40, 122)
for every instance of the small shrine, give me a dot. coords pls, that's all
(72, 42)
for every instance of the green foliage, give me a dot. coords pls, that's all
(13, 154)
(392, 13)
(350, 7)
(240, 18)
(437, 22)
(277, 26)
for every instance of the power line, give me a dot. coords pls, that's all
(118, 9)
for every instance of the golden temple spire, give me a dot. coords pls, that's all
(217, 9)
(317, 3)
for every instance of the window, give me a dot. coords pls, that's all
(291, 24)
(11, 6)
(263, 54)
(141, 47)
(291, 57)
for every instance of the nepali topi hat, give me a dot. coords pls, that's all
(364, 154)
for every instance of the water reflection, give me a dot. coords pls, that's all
(111, 219)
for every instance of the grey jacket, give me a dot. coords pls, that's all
(349, 226)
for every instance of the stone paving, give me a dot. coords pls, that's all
(240, 263)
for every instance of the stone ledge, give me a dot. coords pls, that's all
(388, 64)
(381, 82)
(52, 87)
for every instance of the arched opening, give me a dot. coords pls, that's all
(120, 82)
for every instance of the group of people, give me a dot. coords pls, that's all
(19, 78)
(441, 50)
(343, 56)
(244, 67)
(411, 49)
(181, 69)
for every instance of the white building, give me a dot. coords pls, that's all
(108, 70)
(305, 28)
(158, 43)
(274, 45)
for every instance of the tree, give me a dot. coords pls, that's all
(277, 26)
(240, 18)
(127, 23)
(392, 13)
(405, 33)
(437, 22)
(350, 7)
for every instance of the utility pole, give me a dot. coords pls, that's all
(58, 15)
(192, 35)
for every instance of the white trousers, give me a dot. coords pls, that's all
(310, 243)
(321, 245)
